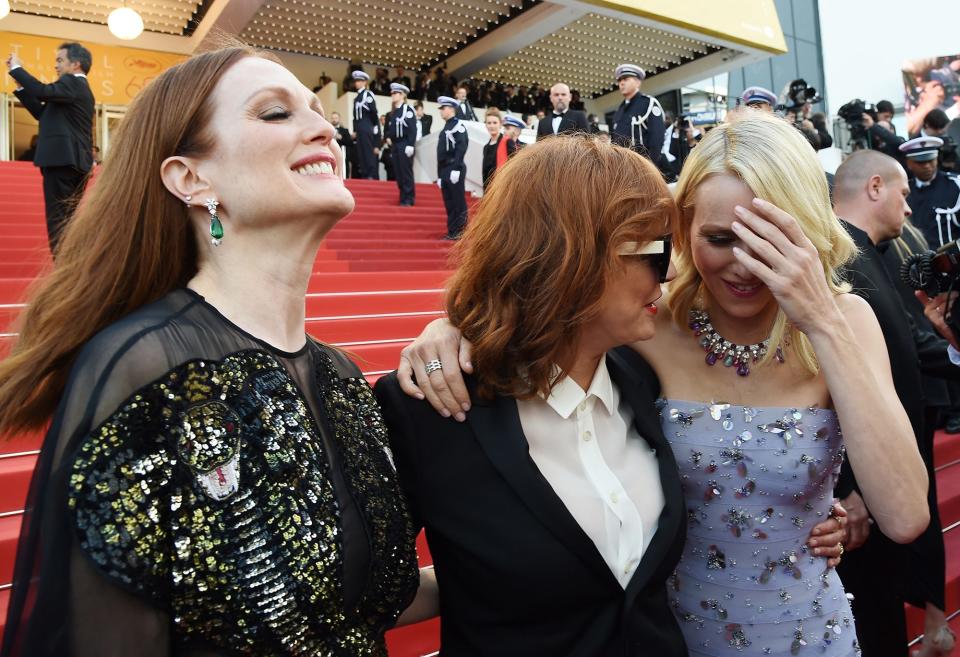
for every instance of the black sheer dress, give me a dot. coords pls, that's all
(201, 493)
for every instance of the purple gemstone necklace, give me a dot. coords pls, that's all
(718, 348)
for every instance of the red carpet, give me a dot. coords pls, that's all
(377, 281)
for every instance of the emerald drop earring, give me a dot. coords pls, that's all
(216, 228)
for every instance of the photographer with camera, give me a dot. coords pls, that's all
(866, 131)
(936, 123)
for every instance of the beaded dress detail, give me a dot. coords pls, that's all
(202, 494)
(756, 481)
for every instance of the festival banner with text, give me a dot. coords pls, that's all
(117, 73)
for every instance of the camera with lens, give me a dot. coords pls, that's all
(852, 113)
(935, 272)
(799, 94)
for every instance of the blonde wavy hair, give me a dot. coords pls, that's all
(775, 161)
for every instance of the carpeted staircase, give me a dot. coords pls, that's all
(377, 281)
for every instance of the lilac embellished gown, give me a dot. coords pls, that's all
(756, 481)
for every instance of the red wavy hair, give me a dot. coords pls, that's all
(540, 251)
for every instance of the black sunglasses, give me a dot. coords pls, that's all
(656, 252)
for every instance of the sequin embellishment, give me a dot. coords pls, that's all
(208, 492)
(755, 481)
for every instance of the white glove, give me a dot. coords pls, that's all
(454, 177)
(408, 151)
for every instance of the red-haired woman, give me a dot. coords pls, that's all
(536, 555)
(213, 481)
(503, 142)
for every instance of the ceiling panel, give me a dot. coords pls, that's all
(409, 33)
(585, 53)
(165, 16)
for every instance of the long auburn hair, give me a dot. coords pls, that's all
(775, 161)
(540, 251)
(129, 242)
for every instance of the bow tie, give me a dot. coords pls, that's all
(557, 116)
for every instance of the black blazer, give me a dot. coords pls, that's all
(65, 111)
(572, 121)
(517, 574)
(426, 121)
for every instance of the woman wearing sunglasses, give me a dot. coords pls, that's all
(555, 515)
(762, 357)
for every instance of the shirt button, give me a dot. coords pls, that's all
(582, 407)
(614, 498)
(626, 569)
(587, 436)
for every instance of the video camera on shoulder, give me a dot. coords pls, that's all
(935, 272)
(852, 113)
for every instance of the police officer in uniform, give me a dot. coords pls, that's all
(759, 98)
(638, 122)
(512, 127)
(451, 170)
(402, 135)
(934, 195)
(366, 127)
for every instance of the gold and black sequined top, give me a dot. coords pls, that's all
(237, 500)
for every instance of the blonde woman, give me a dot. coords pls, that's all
(762, 356)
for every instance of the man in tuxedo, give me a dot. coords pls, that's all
(563, 118)
(464, 109)
(64, 110)
(424, 120)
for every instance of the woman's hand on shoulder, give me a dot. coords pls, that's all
(787, 262)
(444, 388)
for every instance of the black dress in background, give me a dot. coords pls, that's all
(490, 160)
(201, 493)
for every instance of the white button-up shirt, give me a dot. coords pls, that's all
(588, 449)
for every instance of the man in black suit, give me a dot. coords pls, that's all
(870, 192)
(464, 108)
(65, 143)
(563, 118)
(424, 120)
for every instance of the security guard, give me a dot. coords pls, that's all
(402, 135)
(934, 195)
(451, 170)
(366, 128)
(512, 127)
(759, 98)
(638, 122)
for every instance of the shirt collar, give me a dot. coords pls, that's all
(566, 395)
(921, 184)
(79, 75)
